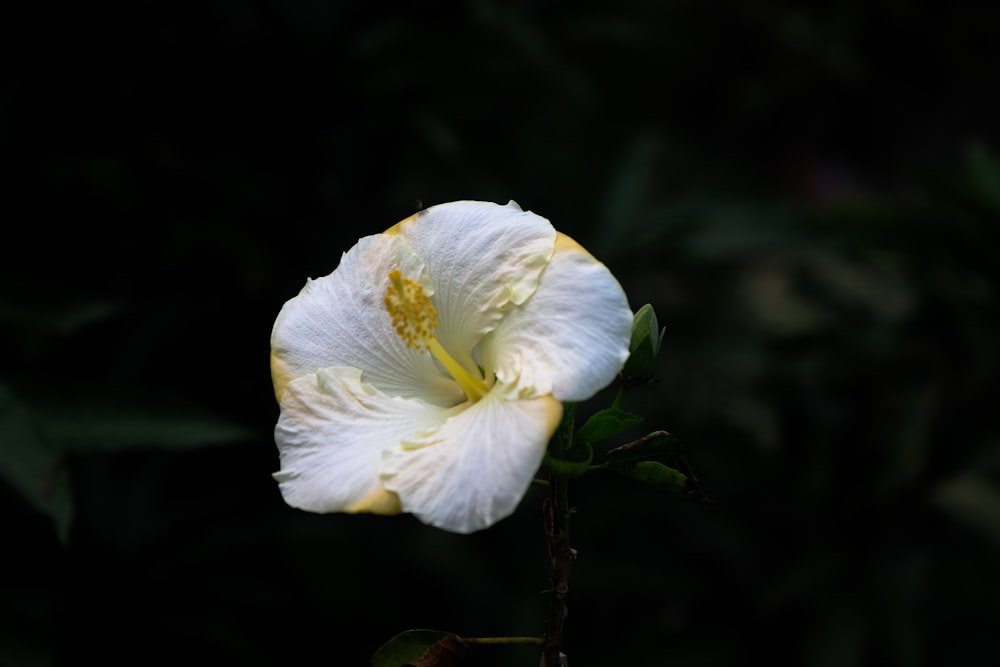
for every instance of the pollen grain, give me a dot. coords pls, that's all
(414, 317)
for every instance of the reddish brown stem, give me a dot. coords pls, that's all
(561, 556)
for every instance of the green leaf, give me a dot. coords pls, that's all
(655, 473)
(29, 464)
(645, 327)
(984, 174)
(607, 423)
(93, 417)
(644, 345)
(573, 463)
(60, 318)
(657, 459)
(406, 647)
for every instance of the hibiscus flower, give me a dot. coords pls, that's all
(427, 373)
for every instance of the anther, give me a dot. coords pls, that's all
(414, 319)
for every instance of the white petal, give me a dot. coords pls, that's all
(331, 433)
(481, 258)
(475, 469)
(340, 320)
(571, 337)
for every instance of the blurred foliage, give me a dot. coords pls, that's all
(809, 196)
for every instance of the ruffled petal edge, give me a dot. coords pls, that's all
(331, 434)
(475, 469)
(571, 338)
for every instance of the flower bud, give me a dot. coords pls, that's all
(644, 346)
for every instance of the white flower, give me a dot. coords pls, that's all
(426, 374)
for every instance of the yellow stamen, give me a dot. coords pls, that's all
(414, 318)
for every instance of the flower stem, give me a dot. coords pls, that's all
(533, 641)
(561, 556)
(619, 397)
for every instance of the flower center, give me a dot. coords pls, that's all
(414, 318)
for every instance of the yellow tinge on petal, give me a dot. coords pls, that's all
(280, 376)
(378, 502)
(414, 319)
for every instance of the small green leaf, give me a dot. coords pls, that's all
(607, 423)
(644, 345)
(30, 466)
(406, 647)
(655, 473)
(573, 463)
(658, 459)
(644, 326)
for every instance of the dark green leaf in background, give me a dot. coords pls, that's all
(30, 464)
(984, 175)
(106, 417)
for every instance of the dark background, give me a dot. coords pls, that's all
(808, 195)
